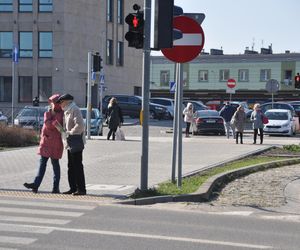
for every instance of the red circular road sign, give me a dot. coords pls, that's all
(231, 83)
(191, 43)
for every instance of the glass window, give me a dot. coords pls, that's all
(243, 75)
(164, 77)
(45, 88)
(120, 11)
(265, 75)
(224, 75)
(45, 5)
(25, 89)
(6, 44)
(120, 54)
(109, 14)
(5, 88)
(202, 75)
(25, 5)
(109, 52)
(45, 44)
(25, 41)
(6, 5)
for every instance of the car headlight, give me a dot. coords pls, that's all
(286, 125)
(16, 121)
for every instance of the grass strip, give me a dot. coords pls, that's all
(193, 183)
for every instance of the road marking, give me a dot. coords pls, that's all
(37, 211)
(33, 220)
(157, 237)
(293, 218)
(16, 240)
(5, 248)
(23, 229)
(47, 204)
(238, 213)
(108, 187)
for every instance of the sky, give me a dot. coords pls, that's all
(234, 25)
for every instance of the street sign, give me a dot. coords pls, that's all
(102, 80)
(272, 86)
(231, 83)
(190, 45)
(230, 91)
(172, 87)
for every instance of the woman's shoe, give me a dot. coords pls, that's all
(31, 186)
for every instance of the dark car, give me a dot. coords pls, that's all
(208, 122)
(31, 117)
(131, 105)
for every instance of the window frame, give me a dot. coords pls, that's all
(120, 11)
(6, 50)
(264, 77)
(24, 5)
(6, 81)
(24, 100)
(109, 52)
(245, 73)
(224, 75)
(7, 4)
(44, 98)
(25, 49)
(164, 77)
(109, 10)
(120, 53)
(42, 4)
(205, 74)
(45, 50)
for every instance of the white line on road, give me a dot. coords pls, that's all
(158, 237)
(23, 229)
(16, 240)
(34, 220)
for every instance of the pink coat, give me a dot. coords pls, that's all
(51, 144)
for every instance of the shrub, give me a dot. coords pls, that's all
(17, 137)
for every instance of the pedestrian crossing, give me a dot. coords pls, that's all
(23, 221)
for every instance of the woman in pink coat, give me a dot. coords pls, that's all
(51, 145)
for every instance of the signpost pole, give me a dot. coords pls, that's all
(89, 96)
(179, 110)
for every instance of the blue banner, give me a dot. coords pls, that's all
(15, 54)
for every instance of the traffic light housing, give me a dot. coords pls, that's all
(135, 34)
(297, 81)
(97, 65)
(36, 101)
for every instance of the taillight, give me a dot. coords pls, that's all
(199, 120)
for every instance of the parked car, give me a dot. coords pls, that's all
(96, 121)
(31, 117)
(296, 106)
(281, 122)
(166, 102)
(247, 110)
(197, 105)
(208, 122)
(3, 119)
(131, 105)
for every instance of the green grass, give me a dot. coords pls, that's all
(193, 183)
(292, 148)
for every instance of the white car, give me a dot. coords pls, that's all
(3, 119)
(166, 102)
(281, 122)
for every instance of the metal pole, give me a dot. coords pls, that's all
(145, 105)
(175, 126)
(179, 149)
(89, 97)
(12, 92)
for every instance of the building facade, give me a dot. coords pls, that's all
(206, 77)
(53, 38)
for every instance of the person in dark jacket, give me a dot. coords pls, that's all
(114, 117)
(227, 112)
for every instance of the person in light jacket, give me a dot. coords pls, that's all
(257, 119)
(188, 118)
(51, 146)
(73, 125)
(239, 119)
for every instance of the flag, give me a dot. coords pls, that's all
(15, 54)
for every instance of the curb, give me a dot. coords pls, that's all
(213, 184)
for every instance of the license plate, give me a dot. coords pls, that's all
(211, 121)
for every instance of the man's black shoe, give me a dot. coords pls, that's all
(69, 192)
(31, 186)
(55, 191)
(80, 193)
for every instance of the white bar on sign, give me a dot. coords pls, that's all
(189, 40)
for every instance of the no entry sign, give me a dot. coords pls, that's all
(231, 83)
(190, 45)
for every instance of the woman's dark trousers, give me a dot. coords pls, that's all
(75, 172)
(187, 129)
(113, 133)
(261, 134)
(237, 137)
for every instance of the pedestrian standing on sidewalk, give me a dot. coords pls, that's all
(239, 119)
(73, 129)
(114, 118)
(51, 146)
(227, 112)
(257, 119)
(188, 118)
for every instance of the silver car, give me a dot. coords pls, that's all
(31, 117)
(96, 121)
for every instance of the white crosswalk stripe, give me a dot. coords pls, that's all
(19, 219)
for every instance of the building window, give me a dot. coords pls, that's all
(164, 77)
(120, 11)
(25, 41)
(109, 52)
(45, 44)
(202, 75)
(6, 5)
(224, 75)
(25, 5)
(6, 44)
(45, 88)
(5, 88)
(109, 10)
(25, 88)
(265, 75)
(120, 54)
(45, 5)
(243, 75)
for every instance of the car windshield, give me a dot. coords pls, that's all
(207, 113)
(296, 107)
(277, 116)
(93, 114)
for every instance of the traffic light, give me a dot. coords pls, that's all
(36, 101)
(162, 32)
(135, 34)
(97, 66)
(297, 81)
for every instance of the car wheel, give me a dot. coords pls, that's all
(151, 114)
